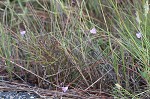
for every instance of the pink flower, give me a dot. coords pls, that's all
(139, 35)
(93, 31)
(64, 89)
(22, 33)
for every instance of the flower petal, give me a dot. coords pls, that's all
(22, 33)
(64, 89)
(139, 35)
(93, 31)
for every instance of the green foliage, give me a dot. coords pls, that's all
(59, 47)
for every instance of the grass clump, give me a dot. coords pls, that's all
(83, 44)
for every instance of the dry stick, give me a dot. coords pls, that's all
(97, 80)
(30, 72)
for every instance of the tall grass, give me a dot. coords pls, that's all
(129, 21)
(58, 48)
